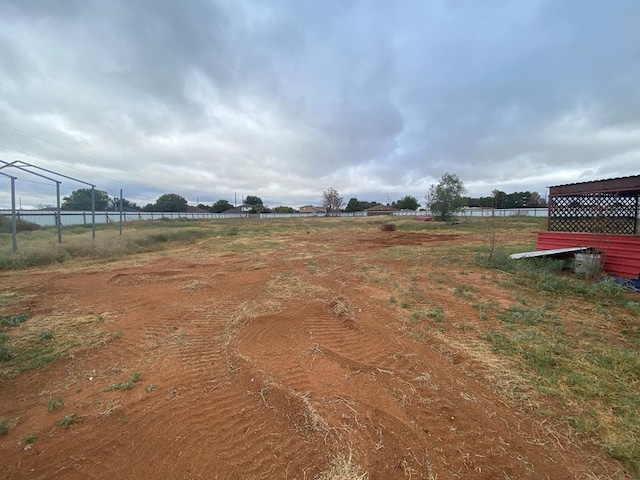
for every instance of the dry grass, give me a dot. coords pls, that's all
(342, 467)
(286, 287)
(341, 307)
(313, 420)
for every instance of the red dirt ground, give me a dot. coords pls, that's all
(266, 366)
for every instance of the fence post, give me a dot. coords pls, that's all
(120, 212)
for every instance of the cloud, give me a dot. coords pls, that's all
(283, 99)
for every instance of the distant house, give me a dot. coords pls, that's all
(191, 209)
(312, 209)
(381, 210)
(240, 209)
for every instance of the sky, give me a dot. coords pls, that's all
(220, 99)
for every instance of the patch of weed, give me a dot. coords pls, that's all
(465, 292)
(128, 385)
(13, 320)
(66, 421)
(5, 426)
(151, 388)
(437, 313)
(55, 403)
(634, 306)
(6, 353)
(501, 343)
(46, 335)
(482, 310)
(464, 326)
(30, 438)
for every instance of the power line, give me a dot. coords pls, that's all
(76, 153)
(49, 142)
(62, 164)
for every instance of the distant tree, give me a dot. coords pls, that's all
(477, 201)
(407, 203)
(536, 201)
(81, 200)
(256, 202)
(332, 200)
(445, 198)
(171, 202)
(354, 205)
(204, 207)
(253, 200)
(221, 206)
(499, 199)
(114, 204)
(284, 209)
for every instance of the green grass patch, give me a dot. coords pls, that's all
(601, 381)
(13, 320)
(586, 361)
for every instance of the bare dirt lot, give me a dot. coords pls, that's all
(315, 351)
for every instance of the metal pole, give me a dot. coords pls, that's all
(14, 229)
(93, 211)
(58, 212)
(121, 211)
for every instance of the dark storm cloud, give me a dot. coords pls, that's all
(282, 99)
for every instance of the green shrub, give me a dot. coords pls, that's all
(21, 225)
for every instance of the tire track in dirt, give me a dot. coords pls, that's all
(421, 407)
(228, 404)
(318, 337)
(182, 354)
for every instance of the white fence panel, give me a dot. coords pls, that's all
(69, 218)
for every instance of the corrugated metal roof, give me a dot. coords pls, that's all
(593, 181)
(630, 184)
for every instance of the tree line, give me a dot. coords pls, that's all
(443, 199)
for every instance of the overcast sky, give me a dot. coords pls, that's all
(282, 99)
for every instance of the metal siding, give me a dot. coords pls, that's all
(622, 252)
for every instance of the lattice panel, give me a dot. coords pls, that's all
(598, 213)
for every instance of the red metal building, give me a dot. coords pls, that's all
(602, 214)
